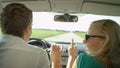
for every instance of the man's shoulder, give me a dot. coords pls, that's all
(35, 48)
(29, 48)
(19, 45)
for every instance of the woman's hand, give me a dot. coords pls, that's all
(72, 50)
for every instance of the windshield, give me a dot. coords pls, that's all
(46, 28)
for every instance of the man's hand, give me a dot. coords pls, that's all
(55, 55)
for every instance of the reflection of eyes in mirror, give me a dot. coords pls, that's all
(73, 19)
(65, 18)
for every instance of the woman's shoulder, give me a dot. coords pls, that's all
(84, 57)
(87, 61)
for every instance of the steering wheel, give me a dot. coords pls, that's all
(39, 42)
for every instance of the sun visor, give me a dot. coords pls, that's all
(101, 8)
(35, 6)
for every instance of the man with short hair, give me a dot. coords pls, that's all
(16, 27)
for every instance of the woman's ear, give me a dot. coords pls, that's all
(84, 41)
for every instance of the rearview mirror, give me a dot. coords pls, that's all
(66, 18)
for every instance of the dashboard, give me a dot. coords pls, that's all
(46, 45)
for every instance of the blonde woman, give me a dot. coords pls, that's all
(103, 47)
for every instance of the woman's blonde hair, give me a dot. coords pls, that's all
(109, 54)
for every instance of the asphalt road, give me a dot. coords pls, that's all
(66, 38)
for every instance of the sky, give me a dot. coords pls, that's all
(44, 20)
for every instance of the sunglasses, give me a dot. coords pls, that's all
(88, 36)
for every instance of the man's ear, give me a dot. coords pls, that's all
(26, 30)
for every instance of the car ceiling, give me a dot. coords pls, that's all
(101, 7)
